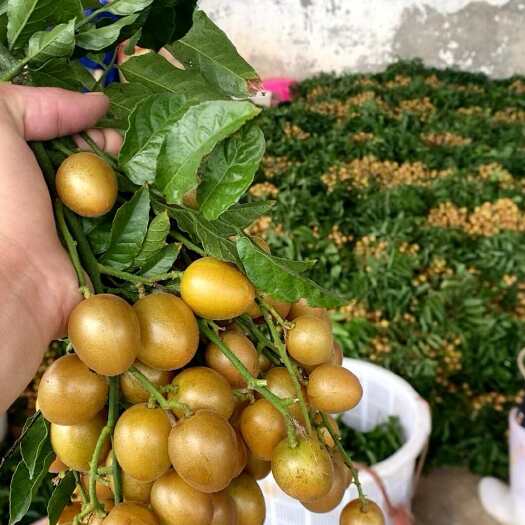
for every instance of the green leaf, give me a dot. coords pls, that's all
(206, 48)
(65, 74)
(126, 7)
(229, 171)
(27, 17)
(211, 234)
(60, 497)
(57, 43)
(156, 73)
(147, 129)
(162, 261)
(128, 231)
(33, 442)
(100, 233)
(193, 137)
(166, 21)
(243, 215)
(23, 488)
(279, 277)
(124, 98)
(129, 48)
(97, 38)
(155, 239)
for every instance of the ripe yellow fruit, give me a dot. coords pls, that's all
(74, 444)
(176, 503)
(130, 514)
(301, 307)
(133, 391)
(69, 393)
(248, 499)
(215, 289)
(87, 184)
(170, 335)
(310, 341)
(140, 442)
(353, 514)
(105, 333)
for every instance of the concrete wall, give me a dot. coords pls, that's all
(299, 38)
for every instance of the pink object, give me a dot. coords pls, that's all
(279, 87)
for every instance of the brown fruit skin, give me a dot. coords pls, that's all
(69, 393)
(241, 454)
(243, 348)
(87, 184)
(248, 499)
(132, 489)
(324, 434)
(68, 514)
(103, 491)
(258, 468)
(337, 355)
(74, 444)
(304, 472)
(140, 442)
(264, 363)
(335, 494)
(280, 383)
(352, 514)
(176, 503)
(105, 333)
(224, 510)
(281, 307)
(202, 450)
(310, 340)
(133, 391)
(216, 290)
(201, 387)
(130, 514)
(170, 335)
(333, 389)
(57, 466)
(262, 427)
(301, 308)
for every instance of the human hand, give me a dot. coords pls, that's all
(39, 286)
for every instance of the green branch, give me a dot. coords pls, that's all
(137, 279)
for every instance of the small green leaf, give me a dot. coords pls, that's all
(155, 239)
(148, 125)
(193, 137)
(57, 43)
(128, 231)
(229, 171)
(243, 215)
(279, 277)
(32, 444)
(206, 48)
(60, 497)
(99, 235)
(162, 261)
(23, 488)
(65, 74)
(211, 234)
(127, 7)
(97, 38)
(27, 17)
(159, 76)
(129, 48)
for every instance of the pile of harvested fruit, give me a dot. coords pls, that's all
(196, 362)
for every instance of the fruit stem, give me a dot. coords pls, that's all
(252, 382)
(285, 358)
(187, 243)
(106, 432)
(164, 403)
(117, 480)
(246, 322)
(89, 260)
(110, 159)
(137, 279)
(83, 495)
(348, 461)
(71, 246)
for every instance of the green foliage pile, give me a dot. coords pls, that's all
(431, 248)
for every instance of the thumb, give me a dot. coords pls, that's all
(46, 113)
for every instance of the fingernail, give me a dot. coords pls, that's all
(96, 93)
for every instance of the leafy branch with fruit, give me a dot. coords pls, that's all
(197, 361)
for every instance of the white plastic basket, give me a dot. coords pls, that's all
(384, 394)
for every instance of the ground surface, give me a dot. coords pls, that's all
(449, 496)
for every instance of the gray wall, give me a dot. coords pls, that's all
(299, 38)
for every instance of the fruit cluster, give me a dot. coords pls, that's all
(220, 385)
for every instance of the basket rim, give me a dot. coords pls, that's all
(423, 424)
